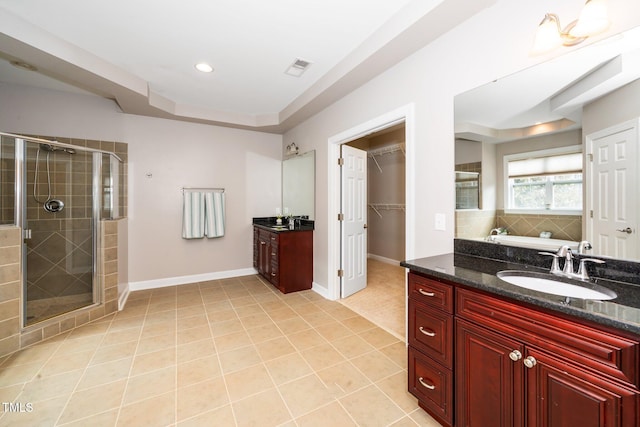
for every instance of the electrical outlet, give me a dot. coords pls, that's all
(440, 222)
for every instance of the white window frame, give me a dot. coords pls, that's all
(539, 153)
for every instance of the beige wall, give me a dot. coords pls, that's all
(615, 108)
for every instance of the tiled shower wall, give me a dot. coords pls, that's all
(12, 338)
(71, 181)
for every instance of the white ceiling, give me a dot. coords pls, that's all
(142, 53)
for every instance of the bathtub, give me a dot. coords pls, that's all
(539, 243)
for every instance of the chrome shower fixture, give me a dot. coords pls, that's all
(51, 148)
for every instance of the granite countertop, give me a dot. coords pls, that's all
(269, 223)
(622, 312)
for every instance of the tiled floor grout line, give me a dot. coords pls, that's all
(75, 388)
(133, 359)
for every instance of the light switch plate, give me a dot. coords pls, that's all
(440, 222)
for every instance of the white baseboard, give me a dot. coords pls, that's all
(383, 259)
(122, 299)
(321, 290)
(182, 280)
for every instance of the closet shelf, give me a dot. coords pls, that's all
(385, 150)
(377, 207)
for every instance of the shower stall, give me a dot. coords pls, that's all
(57, 193)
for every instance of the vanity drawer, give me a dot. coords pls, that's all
(431, 292)
(431, 331)
(432, 384)
(599, 350)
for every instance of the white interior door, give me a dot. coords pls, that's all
(354, 225)
(613, 217)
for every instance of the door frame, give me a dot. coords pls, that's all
(404, 114)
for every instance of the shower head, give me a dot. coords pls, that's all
(52, 148)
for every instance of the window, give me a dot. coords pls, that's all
(549, 180)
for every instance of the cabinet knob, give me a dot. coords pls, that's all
(426, 294)
(263, 243)
(515, 355)
(530, 362)
(429, 386)
(427, 333)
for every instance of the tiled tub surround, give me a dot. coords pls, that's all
(475, 264)
(562, 227)
(12, 338)
(474, 224)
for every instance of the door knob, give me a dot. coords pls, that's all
(627, 230)
(515, 355)
(365, 226)
(530, 362)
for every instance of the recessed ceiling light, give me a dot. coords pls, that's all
(204, 67)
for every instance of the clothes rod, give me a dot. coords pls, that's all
(221, 190)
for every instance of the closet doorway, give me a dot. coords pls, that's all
(383, 298)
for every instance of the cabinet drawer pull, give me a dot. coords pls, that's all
(530, 362)
(273, 238)
(515, 355)
(273, 254)
(426, 294)
(273, 274)
(429, 386)
(263, 243)
(427, 333)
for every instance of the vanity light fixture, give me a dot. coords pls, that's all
(593, 20)
(292, 149)
(204, 67)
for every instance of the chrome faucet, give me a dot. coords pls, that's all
(489, 238)
(568, 260)
(584, 246)
(566, 253)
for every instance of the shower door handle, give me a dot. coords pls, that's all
(26, 234)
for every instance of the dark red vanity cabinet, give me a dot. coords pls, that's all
(504, 364)
(284, 258)
(519, 366)
(431, 345)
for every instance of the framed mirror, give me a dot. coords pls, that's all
(547, 114)
(298, 185)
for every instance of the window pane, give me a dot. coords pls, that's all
(531, 196)
(567, 195)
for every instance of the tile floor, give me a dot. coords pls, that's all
(383, 301)
(232, 352)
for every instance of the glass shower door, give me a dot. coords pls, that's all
(58, 230)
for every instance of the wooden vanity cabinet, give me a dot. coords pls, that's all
(504, 364)
(285, 258)
(431, 345)
(516, 366)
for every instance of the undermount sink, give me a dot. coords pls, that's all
(556, 285)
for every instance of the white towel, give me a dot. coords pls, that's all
(193, 215)
(203, 214)
(214, 214)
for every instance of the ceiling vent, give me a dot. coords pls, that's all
(298, 67)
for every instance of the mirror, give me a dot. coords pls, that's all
(299, 184)
(552, 105)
